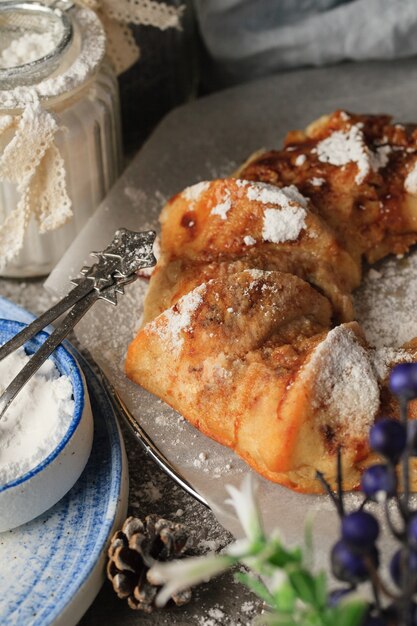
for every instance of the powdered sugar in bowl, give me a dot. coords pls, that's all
(45, 436)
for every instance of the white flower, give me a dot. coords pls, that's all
(179, 575)
(244, 502)
(239, 549)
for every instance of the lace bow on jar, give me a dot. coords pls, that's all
(116, 15)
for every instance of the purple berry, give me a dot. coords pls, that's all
(412, 530)
(396, 565)
(360, 529)
(348, 565)
(403, 380)
(388, 437)
(337, 595)
(374, 620)
(378, 480)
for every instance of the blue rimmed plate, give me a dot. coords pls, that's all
(53, 567)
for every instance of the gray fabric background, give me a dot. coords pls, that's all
(251, 38)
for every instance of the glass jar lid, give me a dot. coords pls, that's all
(33, 37)
(45, 51)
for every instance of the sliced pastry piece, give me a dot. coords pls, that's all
(249, 360)
(360, 172)
(218, 228)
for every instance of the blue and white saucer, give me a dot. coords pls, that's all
(53, 567)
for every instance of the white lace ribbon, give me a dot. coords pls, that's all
(31, 160)
(116, 15)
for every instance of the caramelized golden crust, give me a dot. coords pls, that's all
(198, 244)
(238, 329)
(373, 217)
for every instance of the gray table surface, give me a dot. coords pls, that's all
(219, 602)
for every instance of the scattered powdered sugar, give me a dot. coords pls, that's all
(147, 491)
(343, 147)
(317, 182)
(249, 241)
(36, 421)
(383, 359)
(256, 274)
(300, 160)
(194, 192)
(385, 304)
(216, 613)
(209, 545)
(222, 208)
(27, 48)
(346, 389)
(248, 607)
(177, 319)
(216, 617)
(410, 183)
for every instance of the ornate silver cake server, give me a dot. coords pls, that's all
(116, 266)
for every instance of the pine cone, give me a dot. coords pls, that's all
(134, 549)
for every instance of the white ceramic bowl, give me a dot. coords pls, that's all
(26, 497)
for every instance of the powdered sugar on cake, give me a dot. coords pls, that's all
(410, 183)
(387, 296)
(346, 391)
(193, 193)
(281, 225)
(343, 147)
(269, 194)
(170, 325)
(223, 207)
(284, 223)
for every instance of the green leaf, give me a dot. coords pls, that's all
(257, 586)
(285, 597)
(321, 589)
(304, 585)
(308, 557)
(280, 557)
(350, 613)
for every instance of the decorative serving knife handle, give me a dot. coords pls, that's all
(119, 263)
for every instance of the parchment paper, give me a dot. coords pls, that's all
(202, 140)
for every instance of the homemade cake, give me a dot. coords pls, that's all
(248, 326)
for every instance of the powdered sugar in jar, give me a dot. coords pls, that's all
(60, 148)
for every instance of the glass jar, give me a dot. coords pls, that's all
(80, 92)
